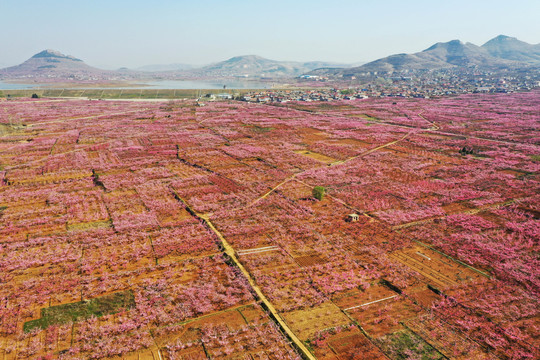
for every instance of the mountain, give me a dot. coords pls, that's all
(165, 67)
(253, 65)
(53, 64)
(510, 48)
(500, 52)
(322, 64)
(456, 53)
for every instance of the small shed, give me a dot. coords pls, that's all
(353, 217)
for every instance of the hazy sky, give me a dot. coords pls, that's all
(115, 33)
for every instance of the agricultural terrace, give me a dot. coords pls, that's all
(168, 230)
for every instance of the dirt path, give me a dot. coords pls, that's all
(350, 207)
(373, 150)
(272, 190)
(229, 250)
(433, 127)
(467, 211)
(293, 177)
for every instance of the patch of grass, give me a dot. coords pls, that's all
(535, 158)
(100, 306)
(405, 345)
(261, 130)
(309, 346)
(370, 118)
(319, 192)
(90, 225)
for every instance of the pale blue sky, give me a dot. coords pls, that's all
(115, 33)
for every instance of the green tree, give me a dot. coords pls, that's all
(318, 192)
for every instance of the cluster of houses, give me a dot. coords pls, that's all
(453, 82)
(283, 96)
(416, 85)
(425, 84)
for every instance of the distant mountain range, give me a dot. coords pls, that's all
(51, 64)
(500, 52)
(247, 65)
(253, 65)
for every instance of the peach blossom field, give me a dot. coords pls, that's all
(173, 230)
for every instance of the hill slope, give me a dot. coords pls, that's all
(50, 64)
(253, 65)
(53, 64)
(500, 52)
(510, 48)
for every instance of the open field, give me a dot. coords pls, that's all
(111, 93)
(129, 93)
(167, 230)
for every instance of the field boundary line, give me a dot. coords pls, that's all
(371, 302)
(451, 258)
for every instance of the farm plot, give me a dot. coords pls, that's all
(306, 323)
(440, 271)
(446, 340)
(345, 343)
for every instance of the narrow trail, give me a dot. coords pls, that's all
(466, 211)
(433, 127)
(289, 179)
(293, 177)
(373, 150)
(231, 253)
(229, 250)
(338, 200)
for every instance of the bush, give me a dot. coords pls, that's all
(318, 192)
(466, 150)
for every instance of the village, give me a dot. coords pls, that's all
(403, 85)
